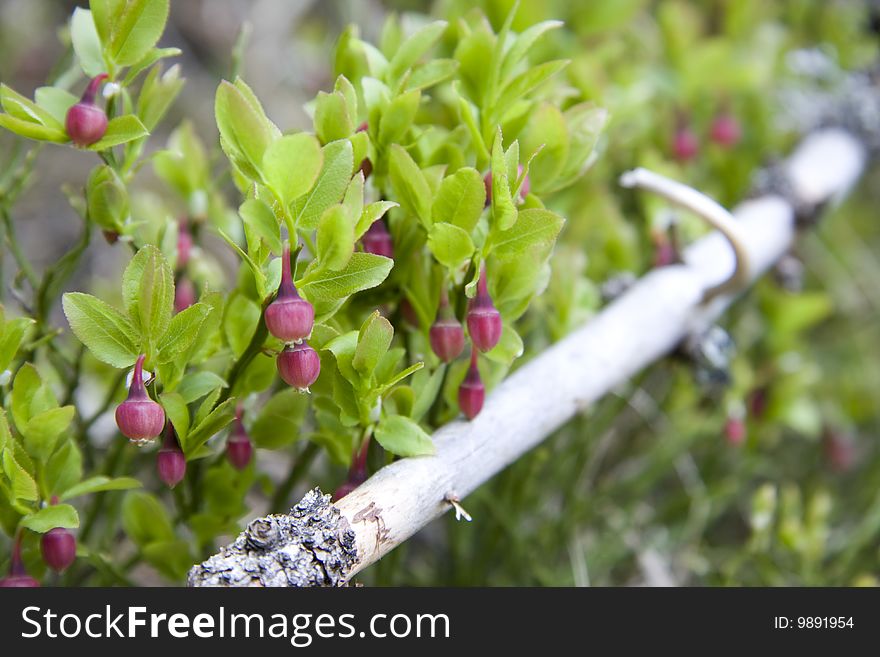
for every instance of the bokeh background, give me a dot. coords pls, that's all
(646, 487)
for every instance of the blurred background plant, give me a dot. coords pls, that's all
(766, 479)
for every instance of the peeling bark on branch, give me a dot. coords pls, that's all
(320, 545)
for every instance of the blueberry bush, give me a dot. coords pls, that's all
(242, 302)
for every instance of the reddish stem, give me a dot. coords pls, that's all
(91, 91)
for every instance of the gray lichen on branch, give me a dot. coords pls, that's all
(312, 545)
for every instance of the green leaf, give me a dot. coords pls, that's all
(86, 42)
(145, 519)
(13, 333)
(30, 396)
(534, 228)
(332, 118)
(256, 270)
(55, 101)
(240, 322)
(400, 435)
(99, 484)
(152, 56)
(330, 188)
(120, 130)
(157, 93)
(460, 199)
(525, 82)
(136, 30)
(177, 412)
(148, 292)
(23, 485)
(198, 384)
(431, 73)
(353, 202)
(370, 214)
(33, 130)
(25, 109)
(106, 332)
(291, 165)
(260, 217)
(182, 332)
(245, 132)
(107, 198)
(105, 14)
(42, 431)
(409, 184)
(523, 43)
(64, 468)
(411, 50)
(212, 424)
(279, 422)
(427, 390)
(509, 347)
(373, 341)
(335, 239)
(450, 244)
(400, 376)
(363, 271)
(548, 132)
(503, 209)
(398, 117)
(50, 517)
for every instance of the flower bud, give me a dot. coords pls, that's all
(58, 547)
(524, 189)
(17, 577)
(685, 144)
(85, 122)
(377, 240)
(184, 245)
(840, 450)
(184, 294)
(472, 392)
(289, 317)
(139, 418)
(725, 130)
(170, 461)
(483, 319)
(238, 446)
(447, 334)
(526, 186)
(299, 365)
(735, 430)
(357, 473)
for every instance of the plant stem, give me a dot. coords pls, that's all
(304, 460)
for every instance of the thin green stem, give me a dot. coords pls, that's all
(303, 461)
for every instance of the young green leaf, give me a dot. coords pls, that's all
(363, 271)
(13, 334)
(148, 292)
(212, 424)
(120, 130)
(503, 209)
(400, 435)
(330, 187)
(98, 484)
(373, 341)
(182, 332)
(196, 385)
(370, 214)
(335, 239)
(136, 29)
(460, 199)
(291, 165)
(450, 244)
(279, 422)
(23, 485)
(19, 107)
(50, 517)
(107, 333)
(56, 101)
(33, 130)
(535, 228)
(411, 50)
(244, 130)
(332, 118)
(431, 73)
(260, 217)
(409, 184)
(42, 431)
(86, 42)
(177, 412)
(398, 117)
